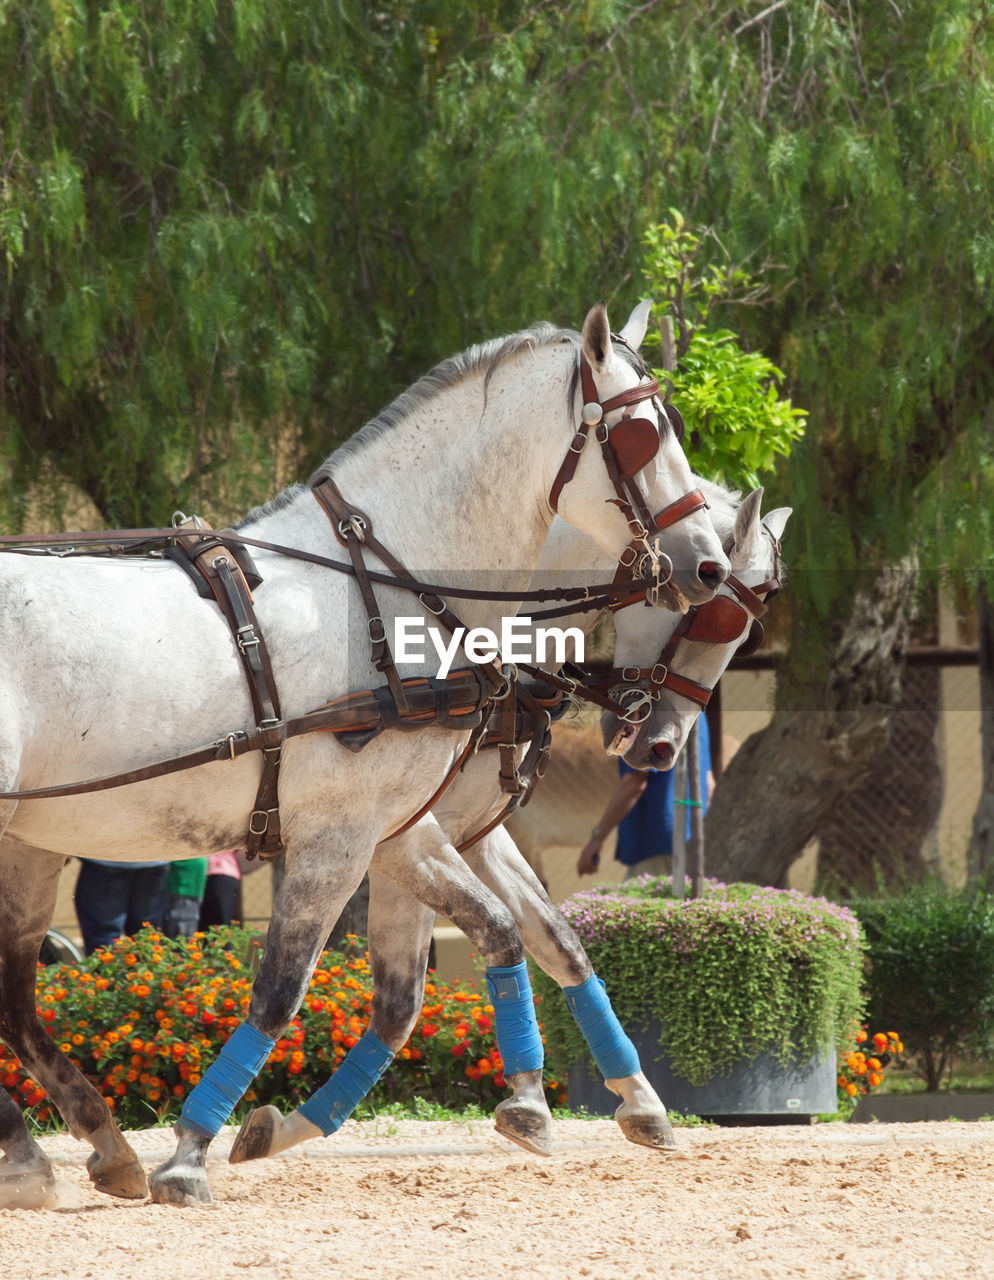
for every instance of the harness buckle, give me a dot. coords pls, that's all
(577, 443)
(377, 629)
(246, 637)
(631, 674)
(256, 816)
(655, 677)
(424, 600)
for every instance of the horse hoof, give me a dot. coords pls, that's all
(122, 1177)
(651, 1130)
(184, 1187)
(267, 1132)
(528, 1125)
(256, 1137)
(28, 1189)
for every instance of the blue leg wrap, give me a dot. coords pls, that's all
(337, 1099)
(613, 1052)
(229, 1075)
(518, 1037)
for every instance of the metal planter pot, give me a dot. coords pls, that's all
(760, 1092)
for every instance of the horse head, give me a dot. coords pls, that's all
(666, 670)
(656, 509)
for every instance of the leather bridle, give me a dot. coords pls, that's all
(718, 621)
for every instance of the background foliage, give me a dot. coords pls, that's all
(931, 972)
(229, 234)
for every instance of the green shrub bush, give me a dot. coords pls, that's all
(143, 1018)
(737, 972)
(930, 972)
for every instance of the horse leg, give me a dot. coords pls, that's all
(426, 865)
(27, 1180)
(314, 889)
(559, 952)
(399, 933)
(28, 885)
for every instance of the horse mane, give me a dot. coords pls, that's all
(724, 504)
(484, 356)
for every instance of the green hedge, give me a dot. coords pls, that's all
(930, 972)
(732, 974)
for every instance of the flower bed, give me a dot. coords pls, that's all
(736, 973)
(145, 1017)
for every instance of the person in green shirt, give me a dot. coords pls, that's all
(184, 891)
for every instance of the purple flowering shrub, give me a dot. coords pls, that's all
(737, 972)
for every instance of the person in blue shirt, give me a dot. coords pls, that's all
(641, 807)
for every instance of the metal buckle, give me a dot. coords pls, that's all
(441, 604)
(376, 639)
(654, 678)
(264, 815)
(246, 637)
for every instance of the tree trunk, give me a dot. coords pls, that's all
(825, 732)
(981, 854)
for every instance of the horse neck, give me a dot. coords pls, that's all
(457, 489)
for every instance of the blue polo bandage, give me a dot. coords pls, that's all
(229, 1075)
(335, 1101)
(614, 1053)
(518, 1037)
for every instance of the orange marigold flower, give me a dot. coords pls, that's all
(860, 1036)
(880, 1040)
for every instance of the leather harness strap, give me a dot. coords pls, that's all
(231, 590)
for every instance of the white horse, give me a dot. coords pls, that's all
(699, 648)
(400, 922)
(113, 662)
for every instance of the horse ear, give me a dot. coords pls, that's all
(776, 521)
(596, 336)
(634, 330)
(747, 517)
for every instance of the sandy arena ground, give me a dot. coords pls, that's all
(390, 1199)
